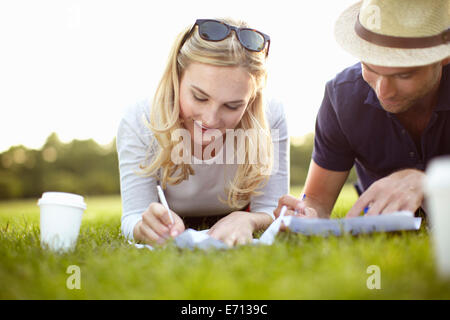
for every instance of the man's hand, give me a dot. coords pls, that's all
(322, 188)
(401, 190)
(295, 207)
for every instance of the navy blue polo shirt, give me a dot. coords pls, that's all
(353, 129)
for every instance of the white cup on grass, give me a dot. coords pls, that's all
(60, 220)
(437, 193)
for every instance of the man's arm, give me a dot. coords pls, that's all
(322, 187)
(332, 150)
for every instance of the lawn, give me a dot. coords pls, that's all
(295, 267)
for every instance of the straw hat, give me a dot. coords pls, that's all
(396, 33)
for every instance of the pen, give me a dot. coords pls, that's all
(303, 198)
(366, 209)
(164, 202)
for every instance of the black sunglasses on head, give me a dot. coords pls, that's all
(214, 30)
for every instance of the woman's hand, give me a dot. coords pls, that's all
(237, 227)
(156, 227)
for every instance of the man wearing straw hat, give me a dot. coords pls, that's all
(388, 115)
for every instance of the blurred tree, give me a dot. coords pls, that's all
(10, 186)
(87, 168)
(81, 166)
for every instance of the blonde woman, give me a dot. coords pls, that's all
(211, 90)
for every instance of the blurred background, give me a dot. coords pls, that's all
(69, 68)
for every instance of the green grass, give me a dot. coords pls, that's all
(295, 267)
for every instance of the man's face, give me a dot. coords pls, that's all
(399, 89)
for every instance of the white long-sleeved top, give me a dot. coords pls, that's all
(197, 196)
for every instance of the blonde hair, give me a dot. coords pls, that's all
(165, 112)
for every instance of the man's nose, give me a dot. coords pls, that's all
(385, 88)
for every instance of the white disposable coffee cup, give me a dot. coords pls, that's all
(437, 193)
(60, 220)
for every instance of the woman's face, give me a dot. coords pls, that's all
(213, 97)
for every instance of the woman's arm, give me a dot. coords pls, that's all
(137, 192)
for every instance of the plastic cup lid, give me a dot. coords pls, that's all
(62, 198)
(438, 173)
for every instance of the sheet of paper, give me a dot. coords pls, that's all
(268, 237)
(191, 239)
(401, 220)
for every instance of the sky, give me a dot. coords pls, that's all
(72, 67)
